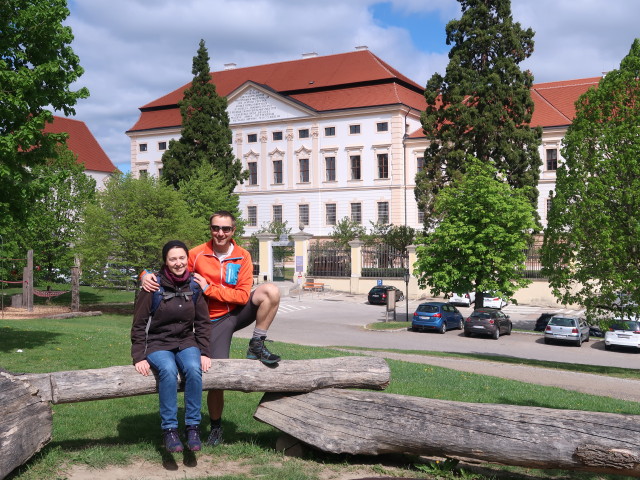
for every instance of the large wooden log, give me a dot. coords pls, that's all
(25, 425)
(372, 423)
(242, 375)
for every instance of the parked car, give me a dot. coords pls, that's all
(567, 329)
(438, 316)
(378, 295)
(491, 300)
(541, 322)
(465, 299)
(487, 321)
(623, 333)
(623, 301)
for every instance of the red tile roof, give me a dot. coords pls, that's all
(353, 80)
(82, 142)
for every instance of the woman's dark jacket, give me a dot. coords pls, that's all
(177, 323)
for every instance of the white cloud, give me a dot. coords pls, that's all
(134, 51)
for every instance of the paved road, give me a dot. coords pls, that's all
(339, 319)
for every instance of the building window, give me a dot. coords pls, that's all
(159, 173)
(252, 138)
(419, 164)
(420, 216)
(277, 171)
(303, 214)
(330, 209)
(252, 216)
(276, 135)
(552, 158)
(303, 133)
(330, 168)
(143, 147)
(143, 173)
(304, 170)
(383, 212)
(277, 213)
(356, 212)
(383, 165)
(354, 129)
(329, 131)
(356, 173)
(382, 126)
(253, 173)
(162, 145)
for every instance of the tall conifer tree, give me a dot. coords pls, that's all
(206, 136)
(482, 106)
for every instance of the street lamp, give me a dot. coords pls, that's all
(404, 170)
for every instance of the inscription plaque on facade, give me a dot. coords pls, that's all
(256, 106)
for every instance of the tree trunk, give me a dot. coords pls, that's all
(241, 375)
(25, 424)
(373, 423)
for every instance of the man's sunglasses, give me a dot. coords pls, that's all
(217, 228)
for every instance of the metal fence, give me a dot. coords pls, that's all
(383, 260)
(329, 260)
(254, 251)
(533, 265)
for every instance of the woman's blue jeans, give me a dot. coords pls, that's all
(167, 363)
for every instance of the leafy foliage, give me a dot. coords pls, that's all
(482, 106)
(479, 244)
(205, 136)
(37, 67)
(347, 230)
(131, 220)
(591, 248)
(279, 229)
(205, 192)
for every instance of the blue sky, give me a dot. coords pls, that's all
(134, 51)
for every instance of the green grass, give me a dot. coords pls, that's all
(125, 431)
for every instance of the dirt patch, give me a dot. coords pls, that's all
(39, 311)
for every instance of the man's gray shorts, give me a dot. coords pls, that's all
(224, 328)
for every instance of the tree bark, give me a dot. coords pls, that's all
(242, 375)
(25, 424)
(371, 423)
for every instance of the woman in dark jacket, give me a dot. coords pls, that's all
(174, 338)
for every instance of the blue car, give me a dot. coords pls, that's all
(439, 316)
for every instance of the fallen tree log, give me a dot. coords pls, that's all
(26, 423)
(242, 375)
(370, 423)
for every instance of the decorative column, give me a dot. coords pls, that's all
(266, 256)
(356, 264)
(301, 252)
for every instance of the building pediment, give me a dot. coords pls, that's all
(252, 103)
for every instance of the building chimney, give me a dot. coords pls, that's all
(230, 66)
(309, 55)
(362, 47)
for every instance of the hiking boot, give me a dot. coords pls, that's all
(193, 438)
(172, 441)
(215, 437)
(257, 351)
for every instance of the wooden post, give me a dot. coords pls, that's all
(75, 285)
(29, 285)
(371, 423)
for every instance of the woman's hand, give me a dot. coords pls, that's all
(143, 367)
(205, 363)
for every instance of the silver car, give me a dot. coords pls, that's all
(567, 329)
(623, 333)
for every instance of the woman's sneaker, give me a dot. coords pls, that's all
(193, 438)
(172, 440)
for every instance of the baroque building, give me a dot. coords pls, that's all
(328, 137)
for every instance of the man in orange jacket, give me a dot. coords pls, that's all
(224, 270)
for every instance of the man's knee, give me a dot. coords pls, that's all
(266, 292)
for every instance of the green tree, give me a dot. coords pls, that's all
(480, 243)
(205, 191)
(37, 67)
(346, 230)
(131, 220)
(55, 219)
(591, 246)
(205, 136)
(482, 107)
